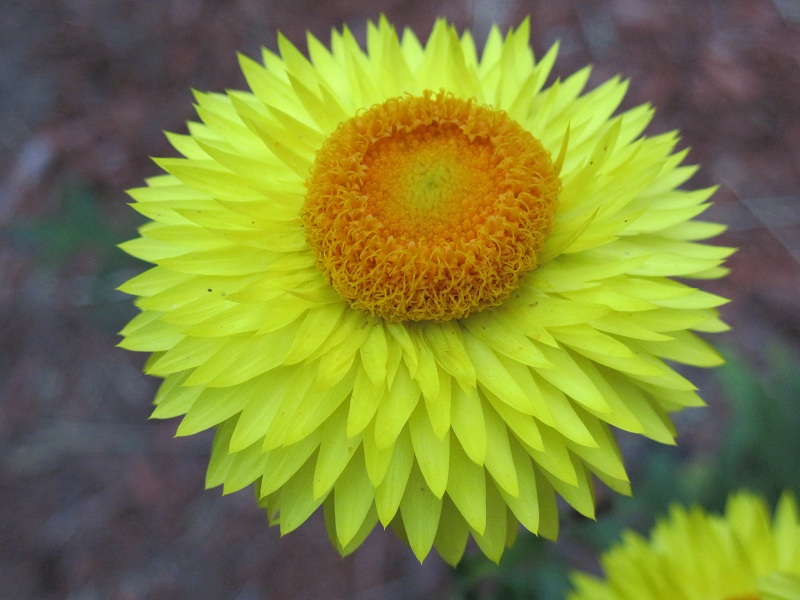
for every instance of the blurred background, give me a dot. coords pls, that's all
(97, 502)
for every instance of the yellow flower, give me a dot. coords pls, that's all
(417, 286)
(693, 555)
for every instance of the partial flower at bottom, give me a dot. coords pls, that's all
(693, 555)
(417, 286)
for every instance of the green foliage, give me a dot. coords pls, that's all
(758, 449)
(530, 569)
(80, 229)
(761, 448)
(78, 225)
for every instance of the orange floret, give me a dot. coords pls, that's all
(429, 208)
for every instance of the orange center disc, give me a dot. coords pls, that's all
(429, 208)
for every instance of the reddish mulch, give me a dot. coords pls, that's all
(99, 502)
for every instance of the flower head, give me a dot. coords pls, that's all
(695, 555)
(416, 286)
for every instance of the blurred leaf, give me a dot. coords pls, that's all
(761, 447)
(78, 224)
(531, 569)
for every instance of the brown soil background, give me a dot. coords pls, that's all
(96, 501)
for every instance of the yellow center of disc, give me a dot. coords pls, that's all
(429, 208)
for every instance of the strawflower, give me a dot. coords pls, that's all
(694, 555)
(417, 286)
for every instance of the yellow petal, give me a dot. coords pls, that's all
(492, 539)
(364, 401)
(353, 495)
(432, 453)
(420, 509)
(297, 500)
(499, 462)
(451, 538)
(395, 408)
(282, 463)
(391, 490)
(335, 451)
(466, 487)
(466, 418)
